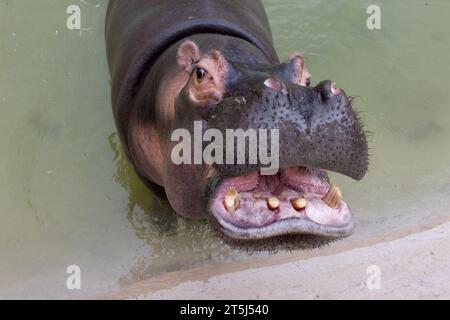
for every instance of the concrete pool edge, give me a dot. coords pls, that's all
(154, 287)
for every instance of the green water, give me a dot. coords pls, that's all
(68, 197)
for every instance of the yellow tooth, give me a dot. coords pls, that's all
(231, 200)
(299, 203)
(273, 203)
(334, 196)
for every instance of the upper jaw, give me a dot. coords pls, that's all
(253, 218)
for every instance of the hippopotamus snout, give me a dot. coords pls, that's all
(317, 126)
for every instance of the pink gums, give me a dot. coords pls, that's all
(289, 184)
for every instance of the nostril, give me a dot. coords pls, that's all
(334, 90)
(273, 83)
(327, 89)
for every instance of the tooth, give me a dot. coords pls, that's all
(273, 203)
(334, 196)
(231, 200)
(299, 203)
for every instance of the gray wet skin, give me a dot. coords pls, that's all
(156, 83)
(317, 129)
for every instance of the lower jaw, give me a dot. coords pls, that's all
(254, 221)
(283, 228)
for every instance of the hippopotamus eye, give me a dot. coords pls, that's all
(308, 82)
(200, 73)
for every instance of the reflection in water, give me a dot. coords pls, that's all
(174, 242)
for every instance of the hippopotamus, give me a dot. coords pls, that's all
(177, 64)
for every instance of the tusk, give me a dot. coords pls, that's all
(334, 196)
(299, 203)
(231, 200)
(273, 203)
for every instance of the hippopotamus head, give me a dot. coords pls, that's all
(273, 181)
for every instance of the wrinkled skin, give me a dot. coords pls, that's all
(228, 83)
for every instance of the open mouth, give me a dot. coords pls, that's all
(296, 200)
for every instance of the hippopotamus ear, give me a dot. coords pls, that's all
(300, 74)
(188, 55)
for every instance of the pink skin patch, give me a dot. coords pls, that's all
(273, 83)
(288, 184)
